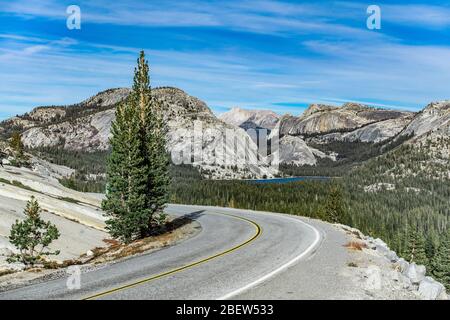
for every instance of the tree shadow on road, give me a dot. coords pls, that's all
(177, 223)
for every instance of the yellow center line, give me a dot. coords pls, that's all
(258, 231)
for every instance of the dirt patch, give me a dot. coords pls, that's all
(356, 245)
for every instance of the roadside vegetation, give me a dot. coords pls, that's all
(32, 237)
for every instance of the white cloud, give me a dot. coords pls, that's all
(418, 15)
(35, 49)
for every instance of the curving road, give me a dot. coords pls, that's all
(236, 251)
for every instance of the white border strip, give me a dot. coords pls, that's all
(280, 269)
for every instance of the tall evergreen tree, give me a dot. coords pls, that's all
(153, 134)
(334, 207)
(17, 145)
(441, 262)
(430, 247)
(138, 176)
(415, 248)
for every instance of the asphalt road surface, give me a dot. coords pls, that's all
(237, 254)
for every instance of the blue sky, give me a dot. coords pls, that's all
(279, 55)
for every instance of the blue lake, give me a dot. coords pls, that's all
(290, 179)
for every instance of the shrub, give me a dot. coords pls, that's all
(32, 236)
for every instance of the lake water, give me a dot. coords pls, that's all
(290, 179)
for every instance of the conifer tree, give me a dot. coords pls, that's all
(138, 176)
(153, 134)
(334, 207)
(32, 236)
(415, 248)
(430, 247)
(441, 262)
(17, 145)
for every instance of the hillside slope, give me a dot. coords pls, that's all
(77, 215)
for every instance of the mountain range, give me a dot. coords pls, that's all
(321, 133)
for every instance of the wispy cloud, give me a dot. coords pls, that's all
(429, 16)
(252, 54)
(265, 17)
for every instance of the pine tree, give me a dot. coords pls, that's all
(125, 202)
(334, 207)
(17, 145)
(153, 134)
(441, 262)
(415, 248)
(430, 247)
(138, 176)
(32, 236)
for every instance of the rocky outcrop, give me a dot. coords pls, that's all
(372, 133)
(250, 119)
(46, 114)
(430, 289)
(294, 150)
(321, 119)
(188, 116)
(427, 146)
(107, 98)
(88, 133)
(314, 108)
(391, 275)
(435, 117)
(324, 124)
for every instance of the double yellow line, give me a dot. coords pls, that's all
(258, 232)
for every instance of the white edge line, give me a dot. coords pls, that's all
(281, 268)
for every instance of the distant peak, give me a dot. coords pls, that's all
(317, 107)
(438, 105)
(355, 106)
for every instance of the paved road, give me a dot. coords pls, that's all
(237, 252)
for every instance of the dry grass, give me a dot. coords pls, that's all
(5, 272)
(171, 232)
(356, 234)
(356, 245)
